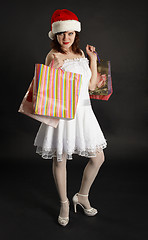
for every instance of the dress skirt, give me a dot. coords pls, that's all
(81, 135)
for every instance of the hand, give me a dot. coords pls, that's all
(57, 60)
(90, 50)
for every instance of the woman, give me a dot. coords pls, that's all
(81, 135)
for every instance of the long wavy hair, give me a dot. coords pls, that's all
(75, 46)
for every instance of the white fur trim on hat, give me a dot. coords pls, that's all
(63, 26)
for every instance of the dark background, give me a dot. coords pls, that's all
(29, 202)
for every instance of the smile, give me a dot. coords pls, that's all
(65, 42)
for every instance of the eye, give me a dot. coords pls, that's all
(71, 33)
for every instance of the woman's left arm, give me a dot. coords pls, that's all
(90, 50)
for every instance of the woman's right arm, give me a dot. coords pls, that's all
(58, 60)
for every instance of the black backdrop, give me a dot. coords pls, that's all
(118, 31)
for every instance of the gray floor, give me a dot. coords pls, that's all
(30, 205)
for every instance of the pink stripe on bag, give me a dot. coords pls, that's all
(51, 96)
(47, 91)
(67, 90)
(54, 93)
(38, 105)
(45, 96)
(42, 101)
(70, 112)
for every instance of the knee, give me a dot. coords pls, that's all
(59, 164)
(102, 156)
(99, 159)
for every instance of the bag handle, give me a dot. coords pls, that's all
(97, 56)
(51, 64)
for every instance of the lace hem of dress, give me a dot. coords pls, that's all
(50, 153)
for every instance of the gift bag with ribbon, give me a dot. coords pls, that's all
(26, 108)
(55, 92)
(103, 88)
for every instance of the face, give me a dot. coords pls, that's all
(66, 39)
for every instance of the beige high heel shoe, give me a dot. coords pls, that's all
(88, 212)
(63, 220)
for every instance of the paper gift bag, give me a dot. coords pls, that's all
(55, 92)
(26, 108)
(103, 88)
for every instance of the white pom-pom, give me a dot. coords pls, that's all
(51, 35)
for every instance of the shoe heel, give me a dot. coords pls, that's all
(75, 207)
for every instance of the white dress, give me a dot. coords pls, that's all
(81, 135)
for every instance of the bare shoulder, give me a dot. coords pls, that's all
(49, 57)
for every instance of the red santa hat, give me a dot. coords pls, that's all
(63, 20)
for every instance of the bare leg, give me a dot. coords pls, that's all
(60, 177)
(89, 175)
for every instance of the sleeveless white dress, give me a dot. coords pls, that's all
(81, 135)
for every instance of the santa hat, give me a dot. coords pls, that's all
(63, 20)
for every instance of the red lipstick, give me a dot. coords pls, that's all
(65, 42)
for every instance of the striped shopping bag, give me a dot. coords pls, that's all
(55, 92)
